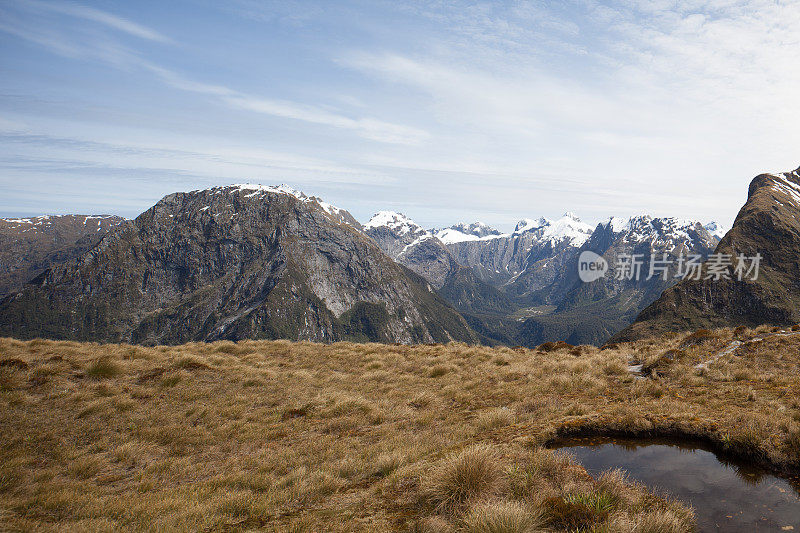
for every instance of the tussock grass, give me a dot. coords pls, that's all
(471, 474)
(282, 436)
(501, 517)
(102, 368)
(494, 418)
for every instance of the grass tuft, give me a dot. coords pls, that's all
(501, 517)
(103, 368)
(468, 475)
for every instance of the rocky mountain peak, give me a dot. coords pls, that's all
(478, 229)
(716, 229)
(257, 191)
(234, 262)
(567, 228)
(399, 224)
(529, 224)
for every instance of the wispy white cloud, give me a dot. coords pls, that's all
(368, 128)
(209, 157)
(518, 108)
(101, 17)
(110, 52)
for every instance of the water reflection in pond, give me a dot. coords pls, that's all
(726, 495)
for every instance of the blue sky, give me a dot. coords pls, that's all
(445, 110)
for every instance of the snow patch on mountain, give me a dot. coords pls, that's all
(33, 220)
(452, 236)
(479, 229)
(397, 222)
(616, 224)
(787, 187)
(257, 189)
(43, 222)
(716, 229)
(568, 227)
(464, 233)
(419, 240)
(529, 224)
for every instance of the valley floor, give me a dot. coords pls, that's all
(282, 436)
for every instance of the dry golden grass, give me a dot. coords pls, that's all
(281, 436)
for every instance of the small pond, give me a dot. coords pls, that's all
(727, 495)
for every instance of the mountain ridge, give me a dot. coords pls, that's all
(233, 262)
(767, 224)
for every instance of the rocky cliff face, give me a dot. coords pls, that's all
(411, 245)
(593, 312)
(525, 260)
(233, 263)
(768, 224)
(29, 246)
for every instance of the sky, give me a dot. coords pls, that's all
(445, 110)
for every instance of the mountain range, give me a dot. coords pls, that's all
(253, 261)
(529, 277)
(768, 226)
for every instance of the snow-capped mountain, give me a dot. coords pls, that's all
(568, 228)
(466, 232)
(500, 258)
(716, 229)
(411, 245)
(395, 232)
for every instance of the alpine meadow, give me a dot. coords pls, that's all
(491, 266)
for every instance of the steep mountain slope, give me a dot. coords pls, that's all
(592, 312)
(768, 224)
(525, 260)
(234, 262)
(411, 245)
(29, 246)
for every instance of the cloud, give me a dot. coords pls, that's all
(368, 128)
(120, 56)
(101, 17)
(208, 157)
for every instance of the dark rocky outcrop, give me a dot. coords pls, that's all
(233, 263)
(29, 246)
